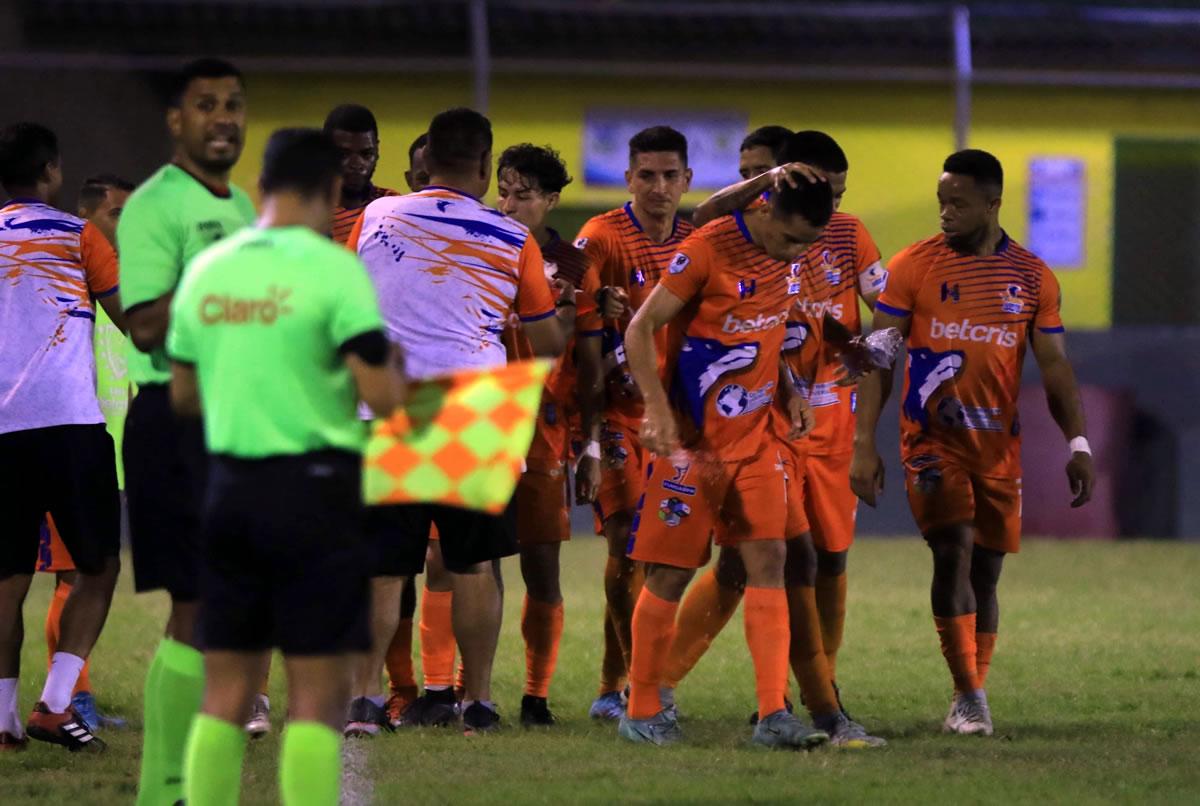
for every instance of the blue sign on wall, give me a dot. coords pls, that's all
(713, 140)
(1058, 211)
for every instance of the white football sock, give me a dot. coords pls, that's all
(64, 674)
(10, 719)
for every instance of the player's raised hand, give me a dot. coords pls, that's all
(613, 302)
(793, 173)
(1081, 472)
(659, 432)
(801, 414)
(587, 479)
(866, 474)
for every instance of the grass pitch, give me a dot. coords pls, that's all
(1095, 692)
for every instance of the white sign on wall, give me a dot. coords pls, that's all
(713, 141)
(1058, 211)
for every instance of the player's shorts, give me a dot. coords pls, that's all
(795, 467)
(69, 471)
(942, 493)
(540, 502)
(399, 536)
(284, 561)
(684, 504)
(622, 470)
(53, 557)
(830, 504)
(165, 470)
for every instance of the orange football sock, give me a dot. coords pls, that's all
(766, 619)
(831, 605)
(437, 639)
(653, 631)
(541, 626)
(705, 611)
(957, 635)
(399, 661)
(807, 653)
(613, 671)
(985, 645)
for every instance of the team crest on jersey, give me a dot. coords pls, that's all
(678, 263)
(676, 483)
(1012, 299)
(734, 400)
(671, 511)
(793, 283)
(833, 272)
(581, 243)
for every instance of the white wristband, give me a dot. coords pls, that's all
(1079, 445)
(591, 450)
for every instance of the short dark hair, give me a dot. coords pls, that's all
(200, 68)
(542, 164)
(25, 151)
(658, 138)
(301, 160)
(981, 166)
(769, 137)
(95, 188)
(351, 118)
(813, 200)
(458, 139)
(815, 148)
(421, 141)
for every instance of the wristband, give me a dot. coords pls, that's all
(591, 450)
(1079, 445)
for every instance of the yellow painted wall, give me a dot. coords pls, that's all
(895, 136)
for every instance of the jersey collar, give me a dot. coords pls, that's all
(451, 190)
(741, 222)
(24, 200)
(228, 194)
(638, 224)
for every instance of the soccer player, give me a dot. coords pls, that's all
(969, 301)
(101, 200)
(448, 271)
(417, 175)
(629, 247)
(759, 152)
(356, 134)
(717, 462)
(841, 268)
(184, 207)
(55, 454)
(283, 560)
(529, 180)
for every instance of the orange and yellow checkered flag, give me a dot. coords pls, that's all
(460, 440)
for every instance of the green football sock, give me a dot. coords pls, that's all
(170, 706)
(212, 768)
(310, 765)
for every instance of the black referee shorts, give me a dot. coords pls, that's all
(399, 535)
(284, 563)
(165, 467)
(69, 471)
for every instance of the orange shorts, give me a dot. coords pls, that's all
(541, 506)
(796, 470)
(831, 505)
(623, 470)
(52, 552)
(942, 493)
(685, 504)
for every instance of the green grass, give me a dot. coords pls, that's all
(1095, 691)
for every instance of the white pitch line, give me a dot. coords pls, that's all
(358, 788)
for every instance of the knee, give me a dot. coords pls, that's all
(831, 563)
(731, 571)
(667, 582)
(801, 568)
(765, 561)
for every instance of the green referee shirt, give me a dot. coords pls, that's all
(167, 221)
(262, 316)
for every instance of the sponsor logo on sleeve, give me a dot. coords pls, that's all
(678, 263)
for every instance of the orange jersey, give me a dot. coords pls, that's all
(971, 319)
(840, 267)
(625, 257)
(561, 260)
(344, 218)
(723, 365)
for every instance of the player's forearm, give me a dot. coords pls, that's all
(643, 361)
(148, 323)
(1063, 399)
(733, 197)
(590, 386)
(873, 392)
